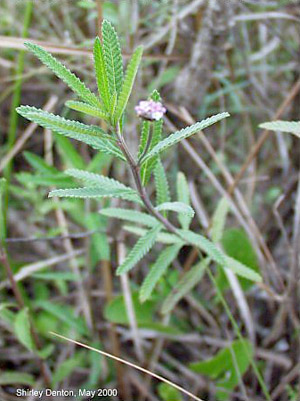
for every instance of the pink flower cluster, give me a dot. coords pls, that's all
(150, 110)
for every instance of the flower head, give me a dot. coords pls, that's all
(150, 110)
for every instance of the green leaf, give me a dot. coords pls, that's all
(162, 237)
(64, 74)
(65, 314)
(87, 109)
(115, 311)
(183, 195)
(129, 215)
(8, 377)
(102, 182)
(204, 245)
(101, 73)
(90, 134)
(144, 136)
(22, 329)
(161, 184)
(183, 134)
(157, 270)
(218, 256)
(149, 164)
(128, 82)
(168, 393)
(219, 220)
(140, 249)
(65, 368)
(95, 192)
(237, 245)
(187, 282)
(291, 127)
(112, 57)
(227, 366)
(242, 270)
(177, 207)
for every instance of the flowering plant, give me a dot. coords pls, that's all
(110, 105)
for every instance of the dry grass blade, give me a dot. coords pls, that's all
(129, 364)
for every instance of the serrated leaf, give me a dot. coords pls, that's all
(128, 82)
(183, 195)
(140, 249)
(129, 215)
(102, 182)
(177, 207)
(87, 109)
(101, 73)
(183, 134)
(218, 256)
(292, 127)
(22, 329)
(162, 237)
(218, 220)
(64, 74)
(90, 134)
(145, 132)
(112, 57)
(95, 192)
(187, 282)
(157, 270)
(161, 184)
(148, 164)
(242, 270)
(204, 245)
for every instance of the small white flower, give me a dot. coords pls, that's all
(150, 110)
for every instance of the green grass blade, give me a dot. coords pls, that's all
(64, 74)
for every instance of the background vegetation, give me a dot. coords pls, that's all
(204, 57)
